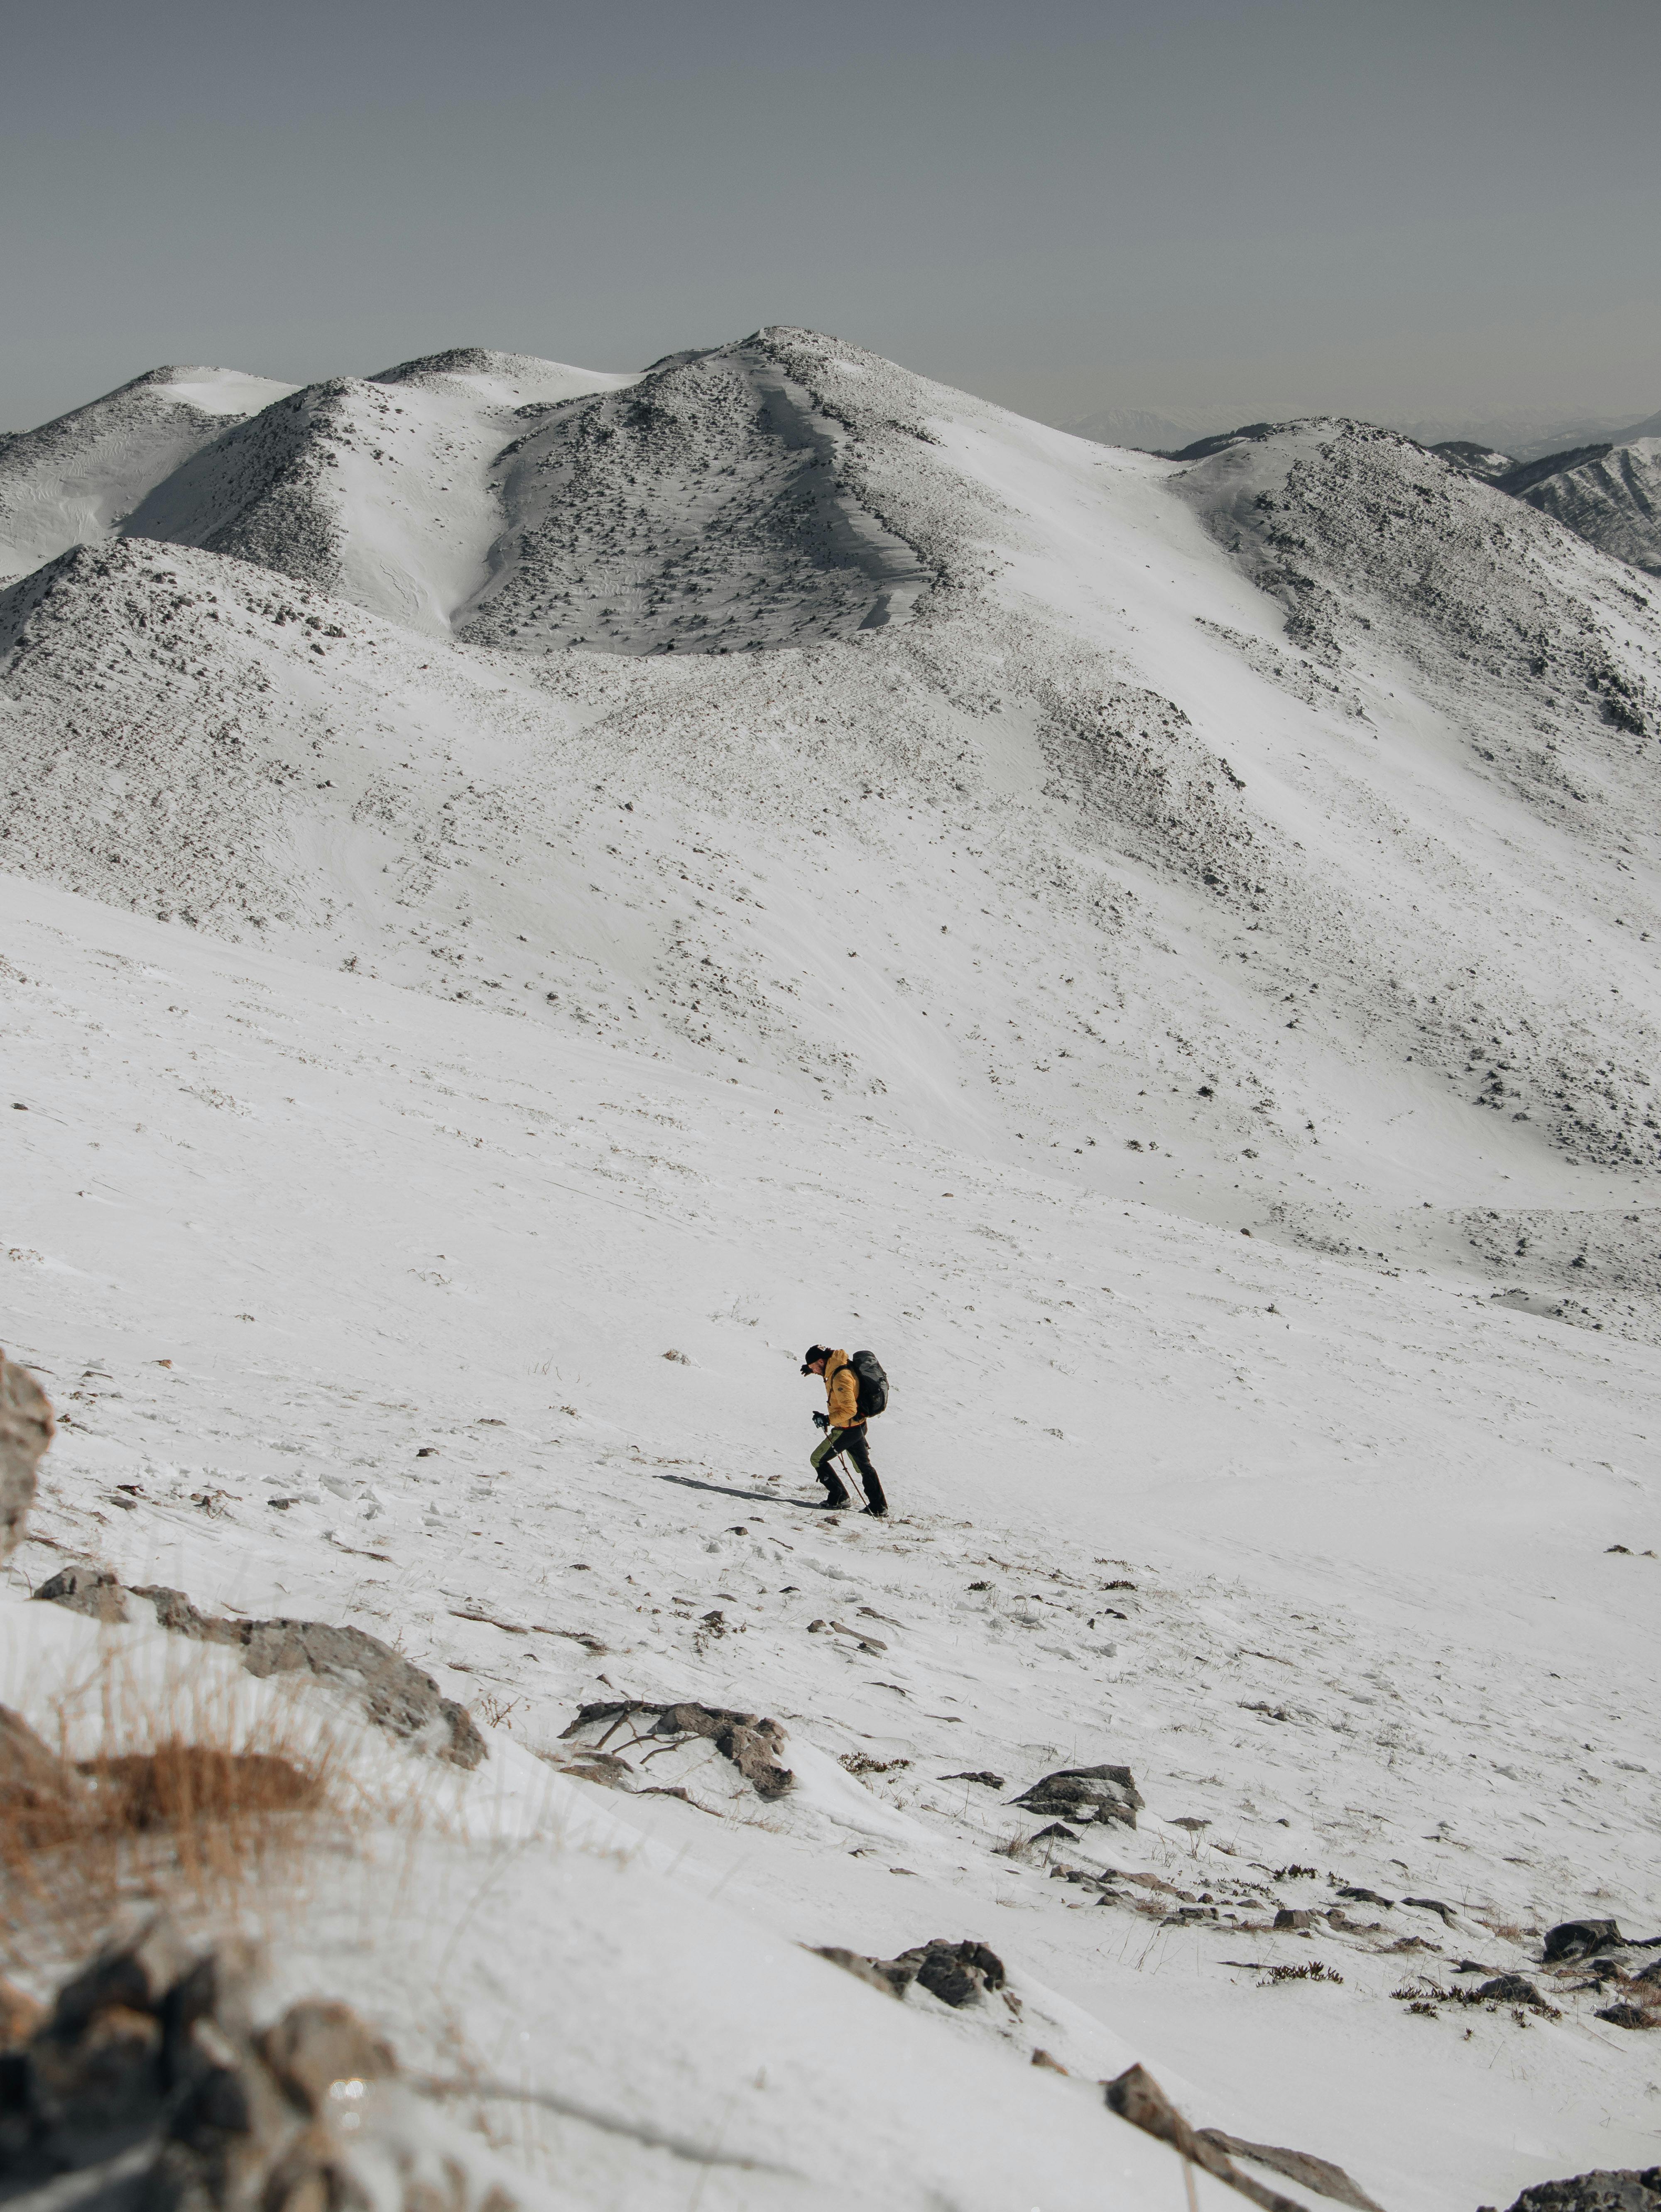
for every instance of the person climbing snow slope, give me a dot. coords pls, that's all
(844, 1426)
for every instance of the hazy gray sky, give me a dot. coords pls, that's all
(1396, 208)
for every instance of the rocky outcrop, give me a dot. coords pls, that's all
(25, 1430)
(149, 2083)
(394, 1694)
(1081, 1793)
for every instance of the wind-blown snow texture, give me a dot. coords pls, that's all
(1071, 860)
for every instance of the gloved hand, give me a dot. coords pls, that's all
(821, 1420)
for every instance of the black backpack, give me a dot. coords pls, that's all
(867, 1369)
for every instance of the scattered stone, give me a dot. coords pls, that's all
(1043, 2058)
(1368, 1897)
(1578, 1939)
(1433, 1905)
(25, 1430)
(1606, 2190)
(1511, 1989)
(1294, 1916)
(94, 1591)
(751, 1744)
(1628, 2015)
(957, 1973)
(983, 1774)
(1085, 1794)
(395, 1695)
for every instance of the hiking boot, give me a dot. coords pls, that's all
(836, 1499)
(877, 1512)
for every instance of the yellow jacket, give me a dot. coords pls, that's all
(841, 1391)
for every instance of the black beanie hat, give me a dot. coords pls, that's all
(815, 1351)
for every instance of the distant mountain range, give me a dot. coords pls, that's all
(1603, 481)
(1521, 433)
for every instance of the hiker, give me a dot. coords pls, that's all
(844, 1426)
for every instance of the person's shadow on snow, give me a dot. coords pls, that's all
(722, 1490)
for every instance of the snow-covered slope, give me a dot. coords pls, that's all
(1613, 502)
(77, 478)
(359, 1304)
(504, 1054)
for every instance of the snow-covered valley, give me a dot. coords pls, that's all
(1176, 980)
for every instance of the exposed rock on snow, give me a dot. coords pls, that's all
(394, 1694)
(1510, 1989)
(149, 2082)
(1578, 1939)
(883, 1974)
(25, 1430)
(958, 1974)
(1604, 2190)
(1317, 2173)
(754, 1746)
(1135, 2096)
(1085, 1794)
(91, 1590)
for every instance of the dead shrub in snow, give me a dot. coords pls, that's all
(168, 1791)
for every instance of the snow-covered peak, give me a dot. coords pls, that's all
(77, 478)
(501, 380)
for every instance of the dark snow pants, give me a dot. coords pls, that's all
(851, 1441)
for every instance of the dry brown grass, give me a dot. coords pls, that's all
(172, 1789)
